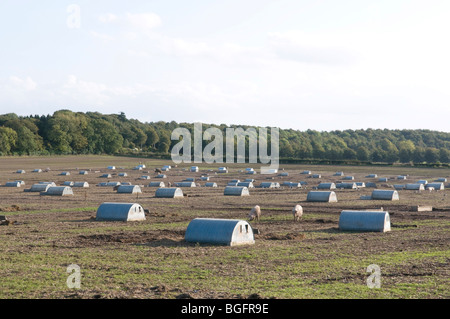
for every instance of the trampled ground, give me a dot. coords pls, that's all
(311, 258)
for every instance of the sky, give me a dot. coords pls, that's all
(302, 64)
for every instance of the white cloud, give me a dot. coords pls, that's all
(311, 48)
(101, 36)
(141, 21)
(108, 18)
(28, 84)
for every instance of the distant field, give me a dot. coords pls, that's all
(308, 259)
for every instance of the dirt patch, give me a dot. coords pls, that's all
(145, 237)
(289, 236)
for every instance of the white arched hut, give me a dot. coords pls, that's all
(13, 184)
(246, 184)
(269, 185)
(321, 196)
(129, 189)
(58, 191)
(210, 184)
(381, 194)
(236, 191)
(436, 186)
(156, 184)
(326, 186)
(220, 232)
(171, 192)
(415, 187)
(185, 184)
(364, 221)
(120, 212)
(38, 188)
(81, 184)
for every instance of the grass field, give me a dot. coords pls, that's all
(150, 259)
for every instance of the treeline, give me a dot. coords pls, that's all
(67, 132)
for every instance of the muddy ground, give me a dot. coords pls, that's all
(58, 226)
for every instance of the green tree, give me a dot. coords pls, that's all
(444, 155)
(431, 155)
(8, 139)
(152, 137)
(105, 139)
(406, 151)
(362, 153)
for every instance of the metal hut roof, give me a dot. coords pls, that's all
(364, 221)
(219, 231)
(120, 212)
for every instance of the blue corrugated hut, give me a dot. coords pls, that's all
(39, 187)
(321, 196)
(210, 184)
(246, 184)
(129, 189)
(120, 212)
(437, 186)
(381, 194)
(12, 184)
(171, 192)
(81, 184)
(185, 184)
(156, 184)
(326, 186)
(58, 191)
(220, 231)
(364, 221)
(236, 191)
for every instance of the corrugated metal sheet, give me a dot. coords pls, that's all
(120, 212)
(219, 231)
(364, 221)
